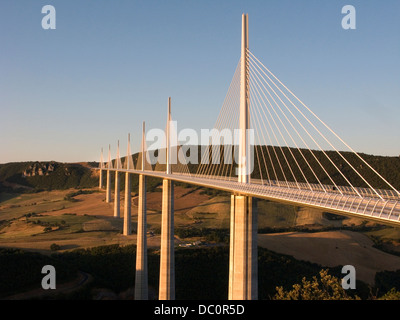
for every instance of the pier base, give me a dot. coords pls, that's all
(167, 256)
(117, 196)
(243, 271)
(101, 180)
(127, 205)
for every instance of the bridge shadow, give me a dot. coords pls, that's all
(5, 196)
(69, 246)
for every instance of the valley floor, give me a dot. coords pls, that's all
(36, 221)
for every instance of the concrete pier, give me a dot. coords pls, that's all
(141, 279)
(231, 245)
(109, 165)
(108, 188)
(243, 271)
(118, 165)
(117, 196)
(128, 197)
(243, 278)
(167, 256)
(101, 179)
(101, 171)
(127, 205)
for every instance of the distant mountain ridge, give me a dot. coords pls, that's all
(52, 175)
(46, 175)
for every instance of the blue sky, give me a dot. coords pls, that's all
(110, 65)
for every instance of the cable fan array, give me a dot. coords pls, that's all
(217, 158)
(292, 147)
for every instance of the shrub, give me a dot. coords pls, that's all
(327, 287)
(55, 247)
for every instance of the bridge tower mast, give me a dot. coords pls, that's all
(243, 221)
(244, 118)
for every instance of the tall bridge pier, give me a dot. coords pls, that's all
(141, 278)
(167, 255)
(101, 171)
(243, 217)
(127, 205)
(128, 198)
(108, 189)
(117, 196)
(243, 282)
(117, 187)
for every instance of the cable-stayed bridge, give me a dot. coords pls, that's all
(266, 144)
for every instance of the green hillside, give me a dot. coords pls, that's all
(38, 176)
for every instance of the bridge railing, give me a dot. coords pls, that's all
(346, 190)
(369, 206)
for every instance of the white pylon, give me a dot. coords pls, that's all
(141, 278)
(244, 114)
(167, 254)
(117, 185)
(243, 283)
(143, 146)
(168, 139)
(128, 164)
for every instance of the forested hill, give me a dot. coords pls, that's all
(387, 167)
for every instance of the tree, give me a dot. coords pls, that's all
(327, 287)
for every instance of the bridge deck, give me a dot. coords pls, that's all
(370, 207)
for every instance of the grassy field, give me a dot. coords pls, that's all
(35, 221)
(16, 205)
(333, 248)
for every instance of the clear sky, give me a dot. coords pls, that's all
(109, 65)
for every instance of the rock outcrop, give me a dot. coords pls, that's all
(39, 169)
